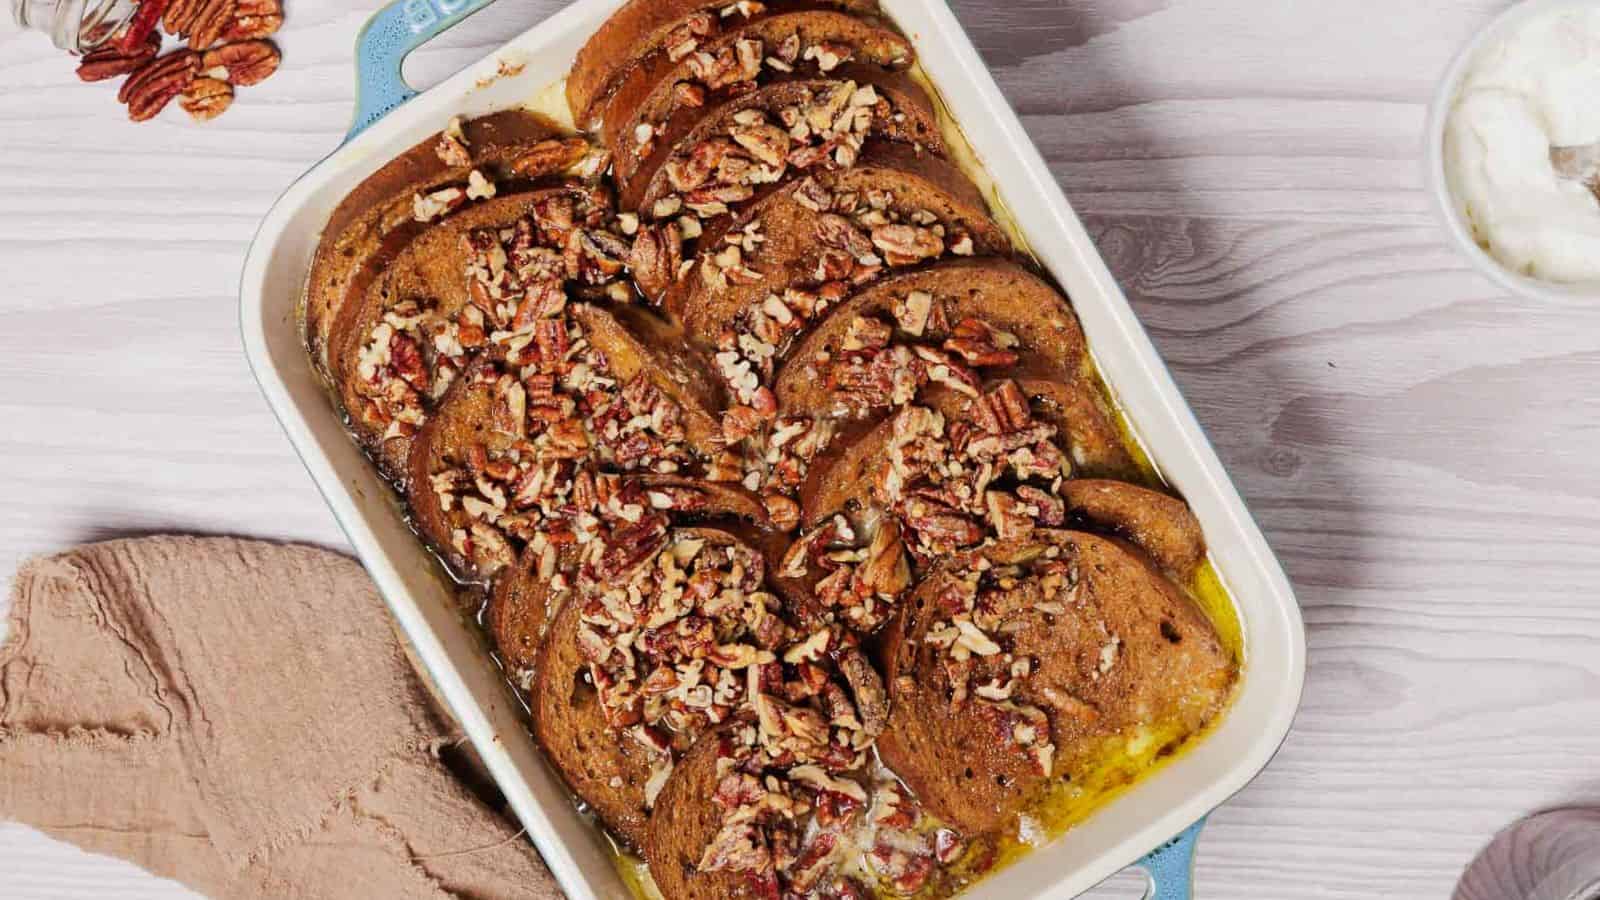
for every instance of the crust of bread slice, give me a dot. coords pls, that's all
(607, 770)
(917, 183)
(681, 827)
(431, 266)
(912, 121)
(637, 31)
(377, 214)
(1159, 524)
(1167, 669)
(998, 292)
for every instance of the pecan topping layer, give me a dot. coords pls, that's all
(858, 238)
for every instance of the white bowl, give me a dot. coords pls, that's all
(1445, 207)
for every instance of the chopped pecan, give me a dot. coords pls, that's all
(872, 701)
(452, 146)
(254, 19)
(767, 143)
(886, 571)
(688, 95)
(867, 333)
(242, 63)
(112, 61)
(829, 55)
(684, 39)
(741, 62)
(151, 88)
(206, 98)
(904, 245)
(784, 512)
(837, 231)
(550, 157)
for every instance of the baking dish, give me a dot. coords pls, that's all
(1141, 821)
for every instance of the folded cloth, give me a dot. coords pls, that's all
(239, 716)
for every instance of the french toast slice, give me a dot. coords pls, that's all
(711, 162)
(1065, 647)
(607, 771)
(528, 595)
(642, 30)
(515, 449)
(684, 823)
(1039, 333)
(766, 274)
(663, 92)
(378, 213)
(840, 479)
(397, 347)
(653, 651)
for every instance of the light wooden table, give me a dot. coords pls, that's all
(1419, 448)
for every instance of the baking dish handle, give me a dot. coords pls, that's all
(385, 41)
(1171, 866)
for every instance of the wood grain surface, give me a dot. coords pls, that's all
(1419, 448)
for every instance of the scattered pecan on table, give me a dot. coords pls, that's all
(227, 49)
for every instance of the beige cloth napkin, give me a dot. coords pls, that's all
(239, 716)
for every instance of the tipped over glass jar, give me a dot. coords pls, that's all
(77, 26)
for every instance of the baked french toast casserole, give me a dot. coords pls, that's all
(800, 518)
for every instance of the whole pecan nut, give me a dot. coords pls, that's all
(253, 20)
(215, 17)
(112, 61)
(241, 63)
(180, 16)
(151, 88)
(206, 98)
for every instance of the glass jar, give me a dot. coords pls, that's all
(76, 26)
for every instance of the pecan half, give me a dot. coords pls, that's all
(241, 63)
(151, 88)
(550, 157)
(656, 256)
(146, 16)
(180, 16)
(112, 61)
(206, 98)
(210, 22)
(253, 20)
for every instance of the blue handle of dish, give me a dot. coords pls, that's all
(388, 37)
(1171, 866)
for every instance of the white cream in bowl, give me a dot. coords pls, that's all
(1534, 87)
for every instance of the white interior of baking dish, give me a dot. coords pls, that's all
(454, 650)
